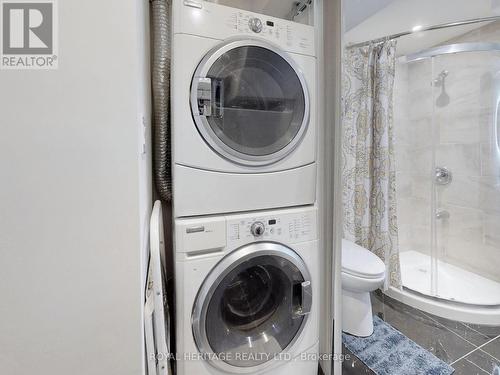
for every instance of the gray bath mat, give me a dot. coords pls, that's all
(389, 352)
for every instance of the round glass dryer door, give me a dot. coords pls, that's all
(252, 307)
(250, 102)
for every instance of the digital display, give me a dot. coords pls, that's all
(270, 23)
(272, 222)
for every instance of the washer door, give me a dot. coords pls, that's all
(252, 307)
(250, 102)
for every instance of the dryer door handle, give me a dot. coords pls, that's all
(304, 292)
(210, 97)
(218, 97)
(204, 96)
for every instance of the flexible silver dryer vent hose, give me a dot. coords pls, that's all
(161, 97)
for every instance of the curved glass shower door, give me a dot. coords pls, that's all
(466, 95)
(448, 173)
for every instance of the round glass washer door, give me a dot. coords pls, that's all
(252, 307)
(250, 102)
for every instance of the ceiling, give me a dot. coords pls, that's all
(402, 15)
(356, 11)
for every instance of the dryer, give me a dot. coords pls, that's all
(247, 293)
(243, 111)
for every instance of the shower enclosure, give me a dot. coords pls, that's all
(447, 126)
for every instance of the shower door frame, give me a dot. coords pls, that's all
(453, 48)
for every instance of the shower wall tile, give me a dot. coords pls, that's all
(410, 185)
(461, 242)
(464, 225)
(404, 161)
(414, 160)
(472, 126)
(490, 159)
(489, 194)
(421, 239)
(474, 257)
(492, 231)
(421, 160)
(422, 186)
(421, 104)
(402, 134)
(414, 215)
(405, 240)
(419, 73)
(401, 87)
(462, 191)
(413, 210)
(460, 158)
(420, 90)
(421, 132)
(404, 185)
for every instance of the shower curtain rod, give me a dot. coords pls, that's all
(429, 28)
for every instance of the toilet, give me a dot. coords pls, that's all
(362, 273)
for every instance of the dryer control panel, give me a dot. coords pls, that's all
(287, 226)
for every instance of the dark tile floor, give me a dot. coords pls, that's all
(469, 349)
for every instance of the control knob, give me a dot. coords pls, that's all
(258, 228)
(255, 25)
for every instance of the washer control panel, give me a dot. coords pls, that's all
(210, 20)
(277, 30)
(287, 227)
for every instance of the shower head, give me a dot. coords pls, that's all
(439, 81)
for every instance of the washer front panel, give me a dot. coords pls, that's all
(250, 102)
(252, 307)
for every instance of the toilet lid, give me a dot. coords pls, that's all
(358, 261)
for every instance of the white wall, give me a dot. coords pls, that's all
(75, 197)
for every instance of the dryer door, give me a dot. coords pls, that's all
(250, 102)
(252, 307)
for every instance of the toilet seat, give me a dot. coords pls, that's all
(360, 262)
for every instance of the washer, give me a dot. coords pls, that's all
(243, 111)
(247, 293)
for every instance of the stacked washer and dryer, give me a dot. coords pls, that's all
(244, 182)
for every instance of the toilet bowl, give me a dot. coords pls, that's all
(362, 273)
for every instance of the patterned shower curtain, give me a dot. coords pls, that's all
(368, 170)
